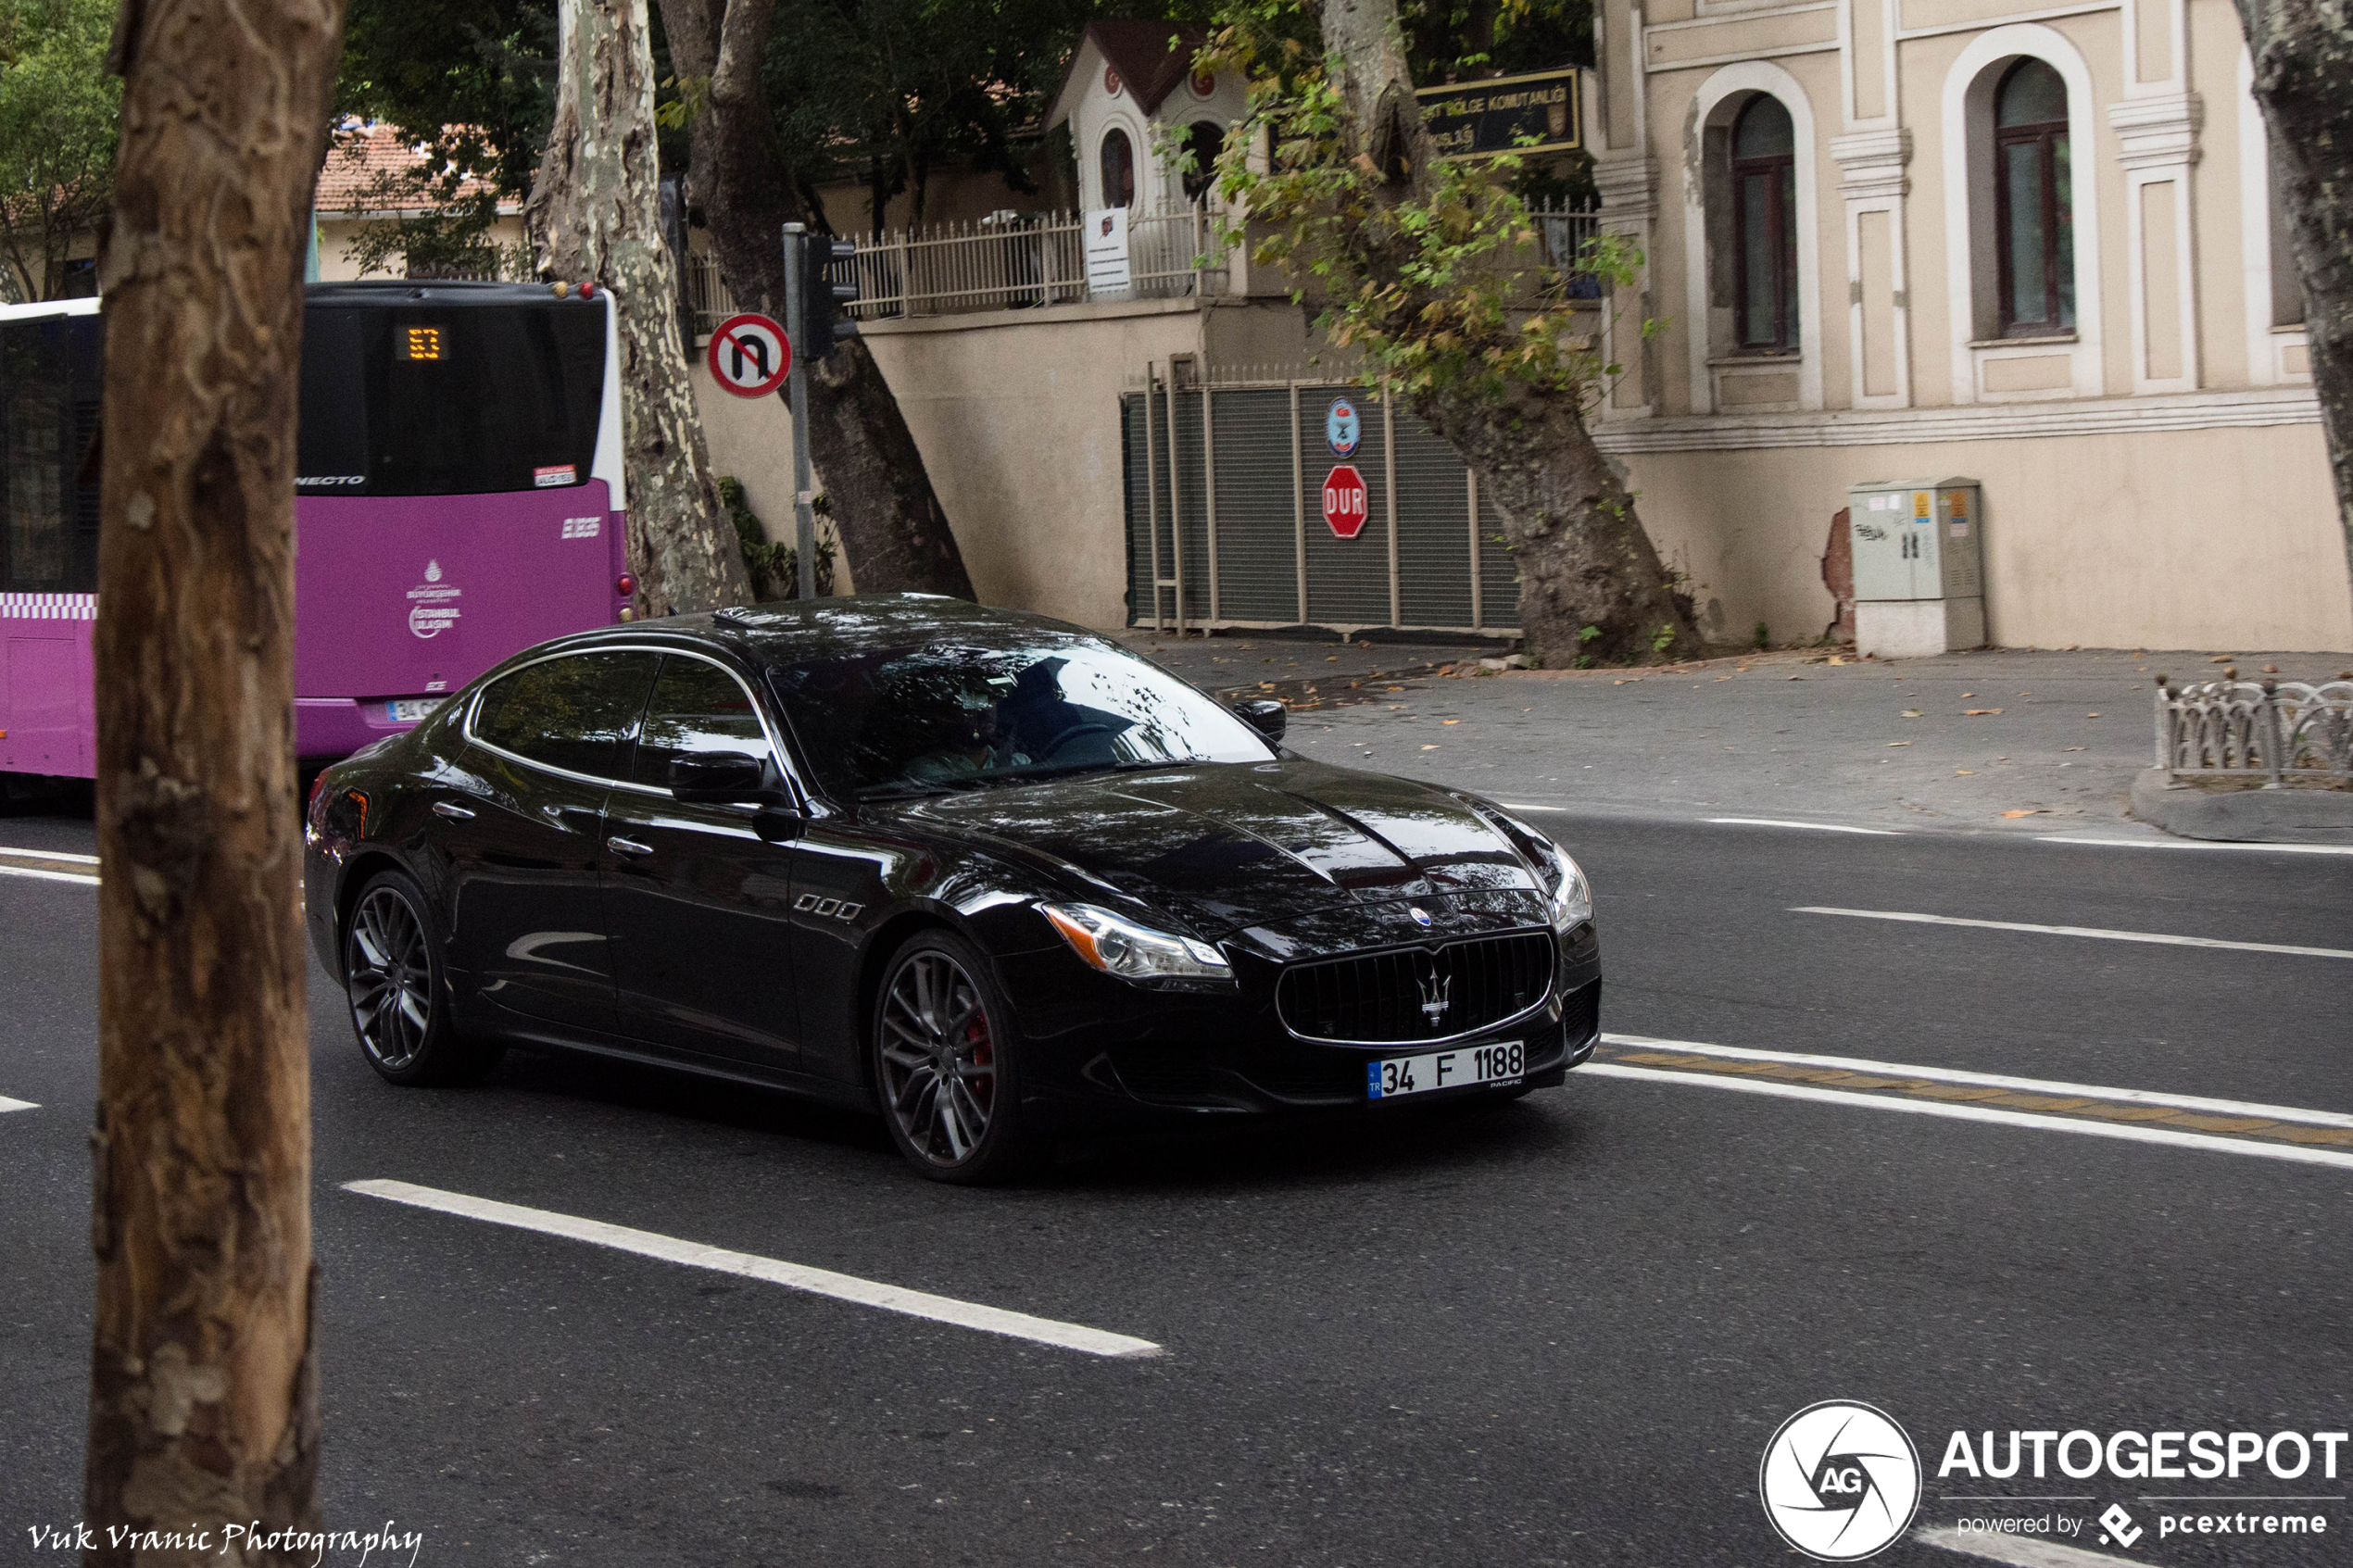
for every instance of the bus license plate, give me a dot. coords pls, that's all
(410, 710)
(1445, 1070)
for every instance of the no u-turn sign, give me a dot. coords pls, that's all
(748, 356)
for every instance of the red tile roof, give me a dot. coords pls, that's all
(360, 157)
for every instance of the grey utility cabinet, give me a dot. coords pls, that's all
(1920, 576)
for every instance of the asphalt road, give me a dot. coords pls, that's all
(1558, 1332)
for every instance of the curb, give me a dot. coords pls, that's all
(2244, 816)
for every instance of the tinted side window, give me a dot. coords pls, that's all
(695, 707)
(48, 419)
(578, 712)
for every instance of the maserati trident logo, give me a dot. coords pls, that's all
(1436, 991)
(1421, 917)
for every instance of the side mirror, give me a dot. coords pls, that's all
(1266, 715)
(719, 778)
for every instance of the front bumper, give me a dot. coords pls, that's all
(1107, 1048)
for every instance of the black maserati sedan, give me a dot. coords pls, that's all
(986, 873)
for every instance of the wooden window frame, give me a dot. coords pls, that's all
(1780, 171)
(2046, 137)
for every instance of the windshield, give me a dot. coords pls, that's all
(943, 716)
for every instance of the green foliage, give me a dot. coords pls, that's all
(1587, 633)
(1448, 293)
(57, 111)
(473, 83)
(1663, 638)
(774, 568)
(885, 91)
(1764, 634)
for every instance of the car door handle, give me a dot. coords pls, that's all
(455, 813)
(628, 847)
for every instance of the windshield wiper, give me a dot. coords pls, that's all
(1031, 776)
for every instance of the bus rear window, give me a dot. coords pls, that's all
(447, 398)
(48, 419)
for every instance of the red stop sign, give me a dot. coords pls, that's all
(1345, 503)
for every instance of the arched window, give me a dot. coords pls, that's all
(1203, 140)
(1119, 169)
(2033, 205)
(1765, 226)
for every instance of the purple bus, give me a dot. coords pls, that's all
(458, 498)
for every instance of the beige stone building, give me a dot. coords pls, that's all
(2031, 245)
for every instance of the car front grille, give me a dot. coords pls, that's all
(1418, 993)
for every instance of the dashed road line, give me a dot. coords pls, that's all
(44, 865)
(1995, 1081)
(2140, 1116)
(2085, 838)
(1811, 827)
(2098, 933)
(8, 1105)
(2020, 1552)
(795, 1277)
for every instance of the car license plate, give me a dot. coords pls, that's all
(410, 710)
(1397, 1075)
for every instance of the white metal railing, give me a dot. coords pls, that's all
(2281, 731)
(1005, 261)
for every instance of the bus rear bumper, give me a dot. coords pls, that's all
(329, 727)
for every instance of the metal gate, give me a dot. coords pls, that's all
(1226, 518)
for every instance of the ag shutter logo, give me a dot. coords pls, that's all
(1840, 1480)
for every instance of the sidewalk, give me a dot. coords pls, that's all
(1995, 739)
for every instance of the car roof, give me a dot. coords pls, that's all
(795, 632)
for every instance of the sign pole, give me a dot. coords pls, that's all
(797, 393)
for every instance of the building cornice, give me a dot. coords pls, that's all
(1872, 163)
(1972, 422)
(2157, 131)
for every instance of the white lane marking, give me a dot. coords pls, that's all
(1815, 827)
(1997, 1081)
(8, 1105)
(49, 876)
(49, 855)
(2193, 844)
(2101, 932)
(797, 1276)
(2131, 1132)
(2022, 1551)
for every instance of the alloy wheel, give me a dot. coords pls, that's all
(391, 978)
(938, 1058)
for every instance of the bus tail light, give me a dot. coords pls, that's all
(587, 291)
(625, 586)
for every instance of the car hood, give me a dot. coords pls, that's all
(1226, 846)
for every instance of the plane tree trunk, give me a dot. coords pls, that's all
(595, 214)
(203, 1391)
(1590, 581)
(2303, 53)
(893, 529)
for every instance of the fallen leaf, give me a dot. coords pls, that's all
(1265, 685)
(2222, 658)
(1332, 659)
(1449, 721)
(2271, 669)
(2034, 811)
(1911, 713)
(1899, 743)
(2074, 748)
(2090, 715)
(1798, 677)
(1834, 659)
(1967, 695)
(1978, 712)
(1966, 772)
(1430, 748)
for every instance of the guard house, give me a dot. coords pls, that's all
(1132, 102)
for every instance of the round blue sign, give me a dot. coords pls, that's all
(1341, 428)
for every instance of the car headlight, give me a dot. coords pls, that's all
(1572, 897)
(1118, 946)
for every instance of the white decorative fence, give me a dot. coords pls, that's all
(1006, 261)
(2284, 732)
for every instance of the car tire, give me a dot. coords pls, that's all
(398, 993)
(939, 1020)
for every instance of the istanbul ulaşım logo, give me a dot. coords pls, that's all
(1840, 1480)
